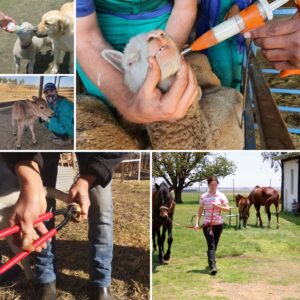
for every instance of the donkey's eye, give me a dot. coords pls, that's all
(42, 107)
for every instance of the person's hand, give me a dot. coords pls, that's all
(234, 10)
(151, 105)
(196, 227)
(30, 205)
(280, 43)
(4, 21)
(79, 193)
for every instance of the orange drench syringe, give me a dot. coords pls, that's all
(250, 18)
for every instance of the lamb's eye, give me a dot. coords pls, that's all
(150, 39)
(47, 23)
(129, 64)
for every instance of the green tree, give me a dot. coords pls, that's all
(183, 169)
(269, 157)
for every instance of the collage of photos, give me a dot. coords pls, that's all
(149, 149)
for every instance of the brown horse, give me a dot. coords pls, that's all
(264, 196)
(244, 209)
(163, 207)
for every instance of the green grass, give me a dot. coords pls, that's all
(269, 256)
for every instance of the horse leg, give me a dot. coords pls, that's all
(277, 215)
(160, 243)
(153, 238)
(170, 241)
(258, 216)
(269, 215)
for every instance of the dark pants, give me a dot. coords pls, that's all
(212, 242)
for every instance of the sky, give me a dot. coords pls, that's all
(250, 171)
(66, 81)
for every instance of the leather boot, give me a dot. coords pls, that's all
(212, 262)
(100, 293)
(47, 291)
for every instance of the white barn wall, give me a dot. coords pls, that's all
(288, 195)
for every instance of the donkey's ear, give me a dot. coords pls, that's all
(157, 186)
(34, 98)
(114, 57)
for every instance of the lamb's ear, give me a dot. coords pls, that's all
(34, 98)
(114, 57)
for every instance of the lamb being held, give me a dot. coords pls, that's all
(210, 123)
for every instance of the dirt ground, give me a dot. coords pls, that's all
(266, 288)
(8, 140)
(131, 261)
(27, 11)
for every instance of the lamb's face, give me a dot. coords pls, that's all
(135, 62)
(25, 31)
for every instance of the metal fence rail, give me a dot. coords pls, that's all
(261, 111)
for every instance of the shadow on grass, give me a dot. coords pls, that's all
(290, 217)
(203, 271)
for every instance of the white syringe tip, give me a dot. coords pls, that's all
(277, 3)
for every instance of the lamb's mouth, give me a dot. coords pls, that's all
(161, 49)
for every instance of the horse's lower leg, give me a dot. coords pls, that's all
(170, 241)
(269, 216)
(160, 250)
(277, 215)
(258, 216)
(153, 239)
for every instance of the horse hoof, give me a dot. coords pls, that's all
(18, 147)
(161, 261)
(34, 143)
(167, 257)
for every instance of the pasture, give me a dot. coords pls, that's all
(27, 11)
(131, 262)
(253, 263)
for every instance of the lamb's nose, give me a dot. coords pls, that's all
(157, 34)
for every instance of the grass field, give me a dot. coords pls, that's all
(254, 263)
(27, 11)
(13, 92)
(131, 262)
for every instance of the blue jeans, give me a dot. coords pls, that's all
(100, 236)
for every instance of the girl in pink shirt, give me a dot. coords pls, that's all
(213, 202)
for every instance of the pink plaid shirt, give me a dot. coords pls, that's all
(207, 200)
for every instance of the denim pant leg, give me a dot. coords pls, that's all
(101, 235)
(45, 260)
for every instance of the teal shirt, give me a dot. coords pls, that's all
(62, 121)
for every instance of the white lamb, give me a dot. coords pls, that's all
(27, 45)
(211, 123)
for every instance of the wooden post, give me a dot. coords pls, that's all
(41, 86)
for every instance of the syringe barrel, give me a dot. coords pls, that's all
(228, 28)
(277, 3)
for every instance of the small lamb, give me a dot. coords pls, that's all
(211, 123)
(27, 45)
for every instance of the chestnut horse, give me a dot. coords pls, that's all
(163, 207)
(244, 209)
(264, 196)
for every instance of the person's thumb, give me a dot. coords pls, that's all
(27, 231)
(153, 75)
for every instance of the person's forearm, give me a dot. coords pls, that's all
(181, 21)
(28, 173)
(199, 214)
(223, 208)
(109, 80)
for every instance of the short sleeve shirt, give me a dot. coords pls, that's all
(213, 215)
(84, 8)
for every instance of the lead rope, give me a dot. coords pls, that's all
(211, 221)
